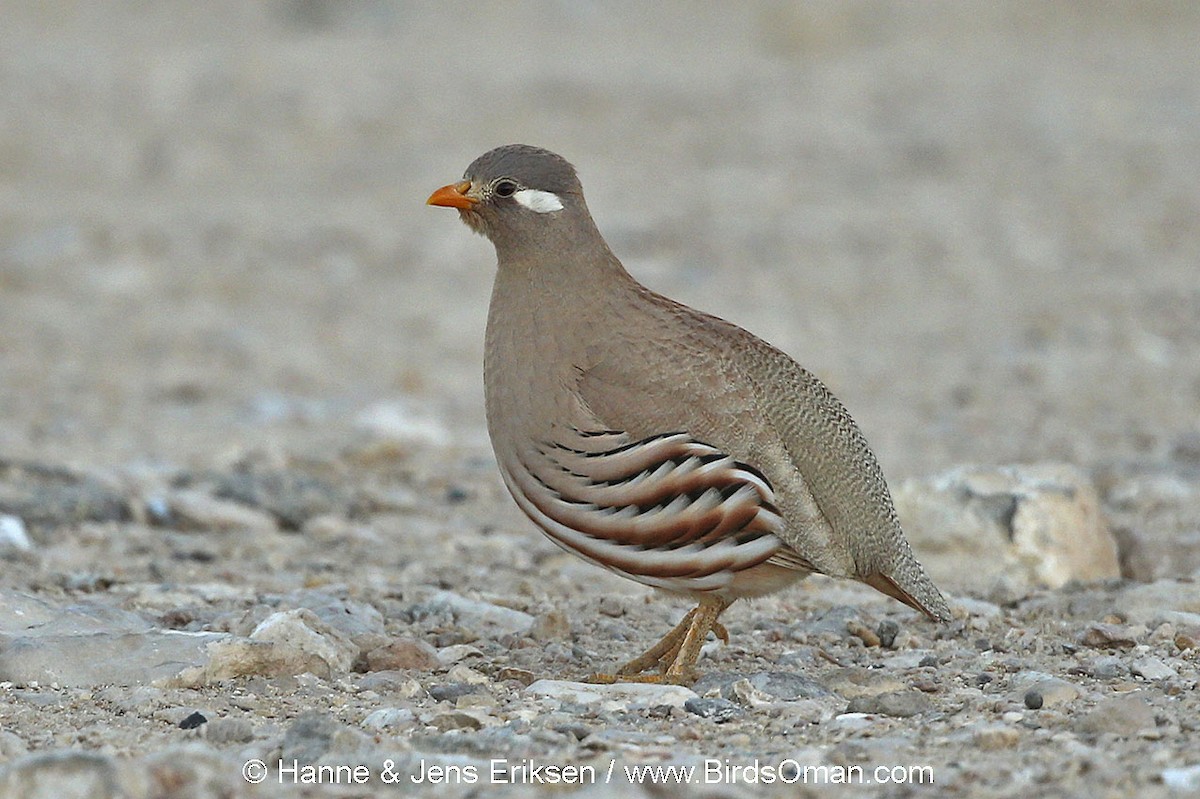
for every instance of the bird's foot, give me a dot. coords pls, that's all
(668, 677)
(676, 654)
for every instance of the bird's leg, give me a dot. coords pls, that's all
(667, 647)
(683, 669)
(668, 657)
(664, 649)
(676, 654)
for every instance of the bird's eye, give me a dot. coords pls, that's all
(505, 188)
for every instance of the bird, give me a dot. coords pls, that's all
(659, 442)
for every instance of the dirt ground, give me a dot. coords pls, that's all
(979, 223)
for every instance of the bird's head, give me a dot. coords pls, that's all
(516, 192)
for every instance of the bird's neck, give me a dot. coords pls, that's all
(548, 322)
(563, 276)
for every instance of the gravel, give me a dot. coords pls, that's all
(244, 471)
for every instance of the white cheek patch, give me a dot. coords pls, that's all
(541, 202)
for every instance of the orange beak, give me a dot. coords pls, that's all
(453, 196)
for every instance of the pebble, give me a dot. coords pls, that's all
(745, 694)
(900, 704)
(482, 617)
(1037, 690)
(1185, 779)
(995, 737)
(808, 711)
(389, 718)
(229, 730)
(466, 674)
(196, 509)
(836, 620)
(335, 529)
(977, 608)
(901, 661)
(619, 696)
(304, 643)
(574, 729)
(1123, 715)
(863, 633)
(854, 720)
(854, 681)
(12, 746)
(193, 721)
(1170, 600)
(719, 710)
(887, 632)
(401, 654)
(1111, 636)
(13, 534)
(448, 655)
(780, 685)
(392, 683)
(404, 422)
(1037, 524)
(1152, 668)
(117, 655)
(288, 495)
(450, 692)
(44, 495)
(1106, 667)
(524, 676)
(361, 622)
(456, 720)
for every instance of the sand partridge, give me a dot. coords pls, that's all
(664, 444)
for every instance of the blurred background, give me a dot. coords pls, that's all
(978, 222)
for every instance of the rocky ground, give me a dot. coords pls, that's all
(248, 514)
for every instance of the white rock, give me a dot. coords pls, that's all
(206, 512)
(746, 695)
(466, 674)
(13, 534)
(1039, 524)
(1152, 668)
(618, 696)
(854, 721)
(41, 642)
(479, 615)
(977, 608)
(402, 421)
(452, 654)
(1053, 690)
(388, 718)
(1184, 779)
(312, 645)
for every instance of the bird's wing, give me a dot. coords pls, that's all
(666, 510)
(827, 447)
(729, 388)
